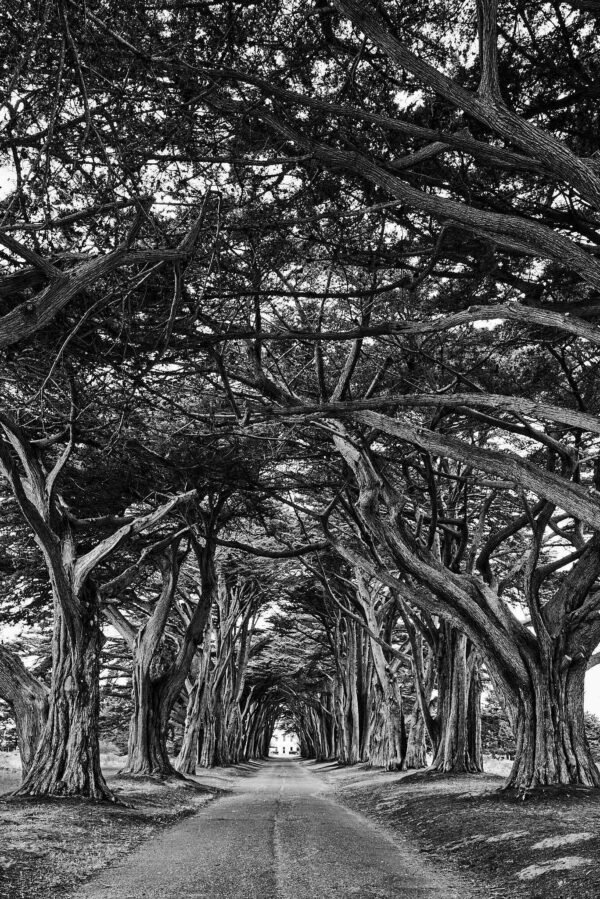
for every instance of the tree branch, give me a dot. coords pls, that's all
(86, 564)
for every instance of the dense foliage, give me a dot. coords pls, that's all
(315, 285)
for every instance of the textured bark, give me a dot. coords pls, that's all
(566, 494)
(158, 679)
(67, 760)
(221, 735)
(147, 747)
(459, 713)
(187, 759)
(422, 721)
(347, 711)
(27, 699)
(486, 105)
(388, 747)
(552, 747)
(29, 317)
(520, 234)
(416, 748)
(490, 401)
(388, 744)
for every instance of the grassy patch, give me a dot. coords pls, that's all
(546, 847)
(49, 847)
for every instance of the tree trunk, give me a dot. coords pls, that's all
(67, 761)
(27, 699)
(389, 731)
(459, 713)
(157, 678)
(147, 749)
(422, 723)
(188, 754)
(416, 749)
(552, 747)
(353, 710)
(389, 744)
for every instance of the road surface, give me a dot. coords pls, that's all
(278, 836)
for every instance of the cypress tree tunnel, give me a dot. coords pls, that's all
(331, 663)
(298, 386)
(300, 422)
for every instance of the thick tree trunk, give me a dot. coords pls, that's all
(389, 732)
(459, 713)
(207, 741)
(147, 749)
(552, 747)
(67, 761)
(216, 745)
(349, 744)
(27, 699)
(347, 700)
(214, 736)
(388, 743)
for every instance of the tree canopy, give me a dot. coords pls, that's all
(298, 312)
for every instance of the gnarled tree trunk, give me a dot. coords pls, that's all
(27, 699)
(188, 754)
(67, 760)
(388, 744)
(147, 747)
(552, 746)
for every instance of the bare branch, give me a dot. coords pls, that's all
(86, 564)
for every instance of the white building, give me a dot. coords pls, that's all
(283, 744)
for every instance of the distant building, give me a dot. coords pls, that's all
(284, 744)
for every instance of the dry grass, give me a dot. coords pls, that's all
(547, 847)
(49, 847)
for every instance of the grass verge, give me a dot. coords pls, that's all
(546, 847)
(47, 848)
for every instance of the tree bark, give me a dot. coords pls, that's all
(157, 682)
(67, 760)
(416, 749)
(421, 719)
(552, 746)
(27, 699)
(188, 757)
(459, 714)
(389, 732)
(147, 748)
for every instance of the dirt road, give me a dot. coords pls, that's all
(278, 836)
